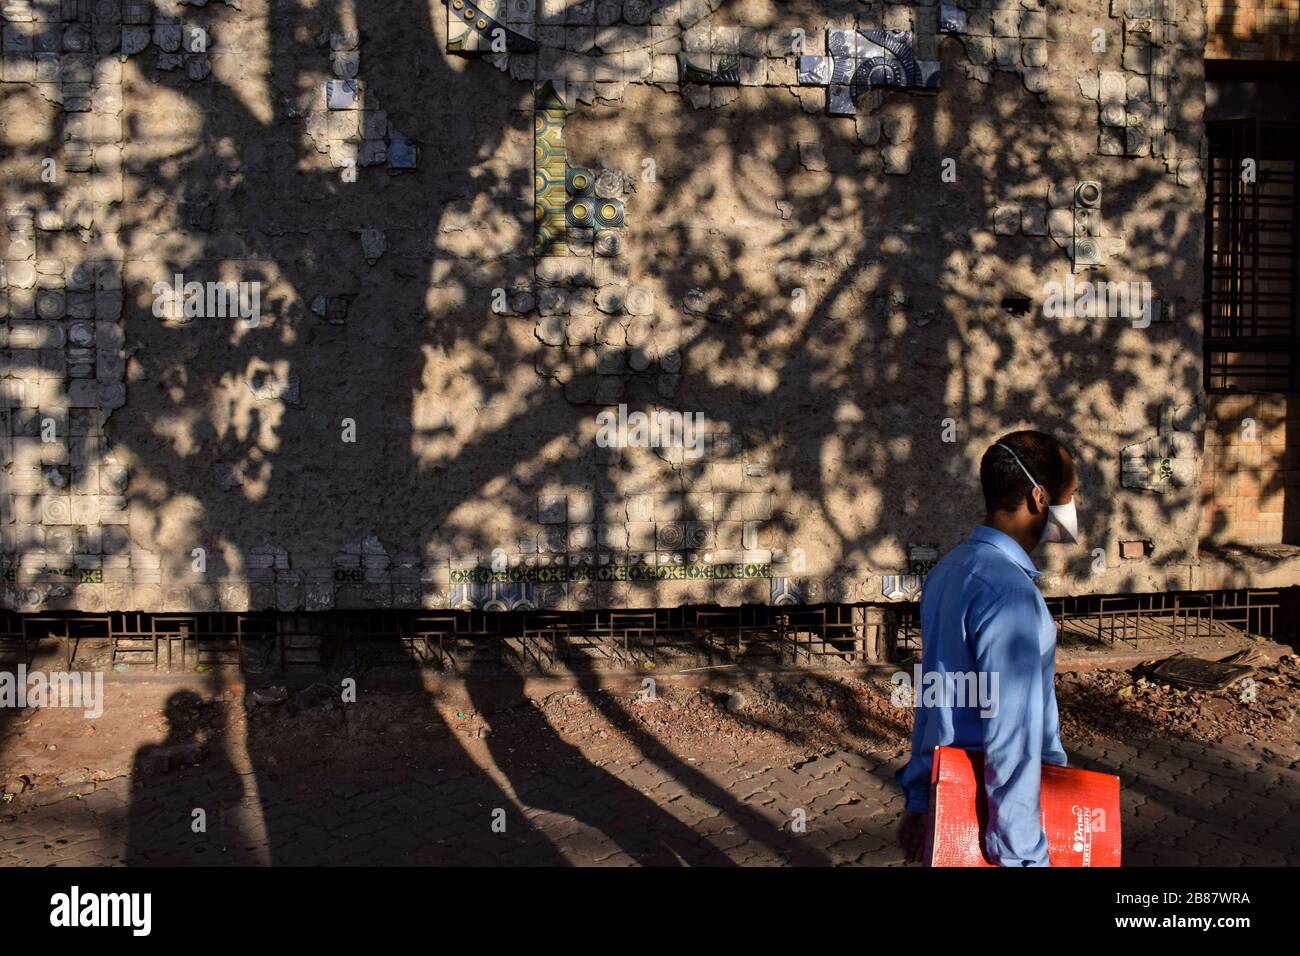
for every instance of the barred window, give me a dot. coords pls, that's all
(1252, 333)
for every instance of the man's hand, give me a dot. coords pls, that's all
(911, 835)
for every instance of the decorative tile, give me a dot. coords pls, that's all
(579, 182)
(784, 592)
(549, 173)
(840, 101)
(609, 213)
(403, 153)
(930, 73)
(842, 68)
(920, 559)
(864, 60)
(569, 201)
(477, 582)
(609, 243)
(726, 72)
(580, 213)
(137, 12)
(495, 599)
(841, 43)
(1088, 195)
(952, 18)
(340, 94)
(901, 586)
(485, 27)
(885, 59)
(814, 70)
(581, 241)
(466, 596)
(1087, 253)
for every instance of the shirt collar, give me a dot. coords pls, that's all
(1007, 545)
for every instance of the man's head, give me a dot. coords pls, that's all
(1023, 474)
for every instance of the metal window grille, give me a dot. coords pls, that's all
(1252, 332)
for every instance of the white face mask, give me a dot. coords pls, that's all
(1062, 524)
(1062, 520)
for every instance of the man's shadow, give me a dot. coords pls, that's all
(187, 801)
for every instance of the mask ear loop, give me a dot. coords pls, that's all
(1023, 468)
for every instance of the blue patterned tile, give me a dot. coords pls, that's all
(842, 68)
(841, 43)
(901, 586)
(784, 592)
(886, 59)
(952, 18)
(840, 101)
(340, 94)
(814, 70)
(403, 153)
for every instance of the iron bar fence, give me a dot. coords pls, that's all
(826, 635)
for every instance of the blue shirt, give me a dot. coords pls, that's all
(984, 623)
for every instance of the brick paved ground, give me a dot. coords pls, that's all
(1184, 804)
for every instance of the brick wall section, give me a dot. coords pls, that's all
(1252, 30)
(1250, 489)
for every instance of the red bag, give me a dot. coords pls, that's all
(1080, 813)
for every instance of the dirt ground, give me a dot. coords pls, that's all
(780, 718)
(710, 767)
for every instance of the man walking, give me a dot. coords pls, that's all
(984, 623)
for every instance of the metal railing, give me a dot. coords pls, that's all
(1133, 620)
(826, 635)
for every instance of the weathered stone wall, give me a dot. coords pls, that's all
(825, 273)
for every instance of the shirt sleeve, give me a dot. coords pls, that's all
(1007, 650)
(1053, 752)
(914, 776)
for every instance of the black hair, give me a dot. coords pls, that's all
(1005, 485)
